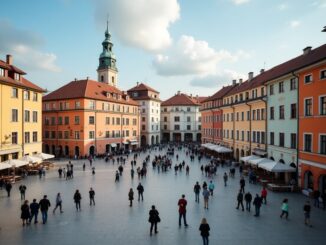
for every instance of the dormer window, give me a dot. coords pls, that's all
(2, 72)
(108, 95)
(127, 98)
(17, 77)
(135, 94)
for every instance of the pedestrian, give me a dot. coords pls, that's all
(285, 209)
(25, 214)
(117, 176)
(140, 190)
(182, 203)
(91, 197)
(34, 207)
(131, 196)
(197, 191)
(187, 170)
(240, 200)
(77, 198)
(84, 167)
(58, 203)
(206, 194)
(44, 206)
(22, 190)
(248, 199)
(8, 188)
(316, 195)
(154, 218)
(132, 172)
(60, 172)
(257, 203)
(225, 178)
(306, 210)
(204, 231)
(242, 184)
(211, 187)
(93, 170)
(264, 195)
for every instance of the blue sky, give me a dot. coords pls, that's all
(188, 45)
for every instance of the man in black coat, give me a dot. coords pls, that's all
(257, 203)
(248, 199)
(44, 206)
(240, 200)
(154, 218)
(34, 206)
(8, 188)
(140, 190)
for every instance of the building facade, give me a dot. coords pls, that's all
(181, 118)
(87, 117)
(20, 112)
(150, 113)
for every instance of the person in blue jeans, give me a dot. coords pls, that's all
(34, 207)
(44, 206)
(204, 231)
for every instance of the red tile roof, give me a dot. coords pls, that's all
(221, 93)
(11, 67)
(88, 89)
(142, 87)
(181, 99)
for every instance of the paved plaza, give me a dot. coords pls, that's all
(112, 221)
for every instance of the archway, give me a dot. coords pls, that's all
(47, 148)
(237, 154)
(166, 137)
(198, 137)
(157, 139)
(143, 140)
(308, 180)
(177, 137)
(188, 137)
(107, 148)
(60, 150)
(242, 153)
(77, 151)
(92, 150)
(66, 150)
(152, 140)
(53, 149)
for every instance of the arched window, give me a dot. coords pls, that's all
(102, 78)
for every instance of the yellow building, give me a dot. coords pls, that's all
(20, 113)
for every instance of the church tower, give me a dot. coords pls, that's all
(107, 70)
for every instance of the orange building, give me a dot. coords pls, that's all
(312, 121)
(87, 117)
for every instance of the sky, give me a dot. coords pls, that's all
(192, 46)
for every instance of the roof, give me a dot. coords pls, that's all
(88, 89)
(220, 93)
(297, 63)
(142, 87)
(181, 100)
(11, 67)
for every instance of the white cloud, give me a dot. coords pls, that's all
(239, 2)
(283, 6)
(295, 23)
(193, 57)
(139, 23)
(25, 48)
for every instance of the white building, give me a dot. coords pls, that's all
(181, 118)
(150, 111)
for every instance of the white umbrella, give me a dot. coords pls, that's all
(44, 156)
(259, 161)
(15, 163)
(31, 159)
(4, 165)
(223, 149)
(247, 158)
(277, 167)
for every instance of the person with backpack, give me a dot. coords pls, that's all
(197, 191)
(22, 190)
(154, 218)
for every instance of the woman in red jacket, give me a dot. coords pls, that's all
(264, 195)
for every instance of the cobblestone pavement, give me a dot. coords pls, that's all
(112, 221)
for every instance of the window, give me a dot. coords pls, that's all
(293, 84)
(237, 116)
(91, 134)
(143, 127)
(107, 134)
(176, 127)
(91, 120)
(143, 119)
(17, 76)
(188, 119)
(258, 114)
(14, 138)
(271, 89)
(107, 120)
(14, 115)
(2, 72)
(77, 136)
(322, 105)
(271, 136)
(117, 120)
(237, 135)
(46, 134)
(323, 74)
(77, 120)
(52, 120)
(293, 141)
(281, 111)
(14, 92)
(53, 135)
(281, 142)
(91, 104)
(281, 87)
(27, 138)
(242, 135)
(258, 137)
(308, 78)
(254, 115)
(26, 116)
(188, 108)
(59, 134)
(188, 127)
(66, 120)
(34, 136)
(293, 111)
(307, 142)
(59, 120)
(66, 134)
(254, 136)
(248, 135)
(165, 127)
(322, 144)
(177, 119)
(248, 115)
(308, 107)
(26, 95)
(262, 91)
(77, 104)
(47, 121)
(242, 116)
(34, 96)
(262, 137)
(34, 116)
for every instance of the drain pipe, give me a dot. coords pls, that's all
(298, 125)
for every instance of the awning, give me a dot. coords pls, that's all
(247, 158)
(277, 167)
(31, 159)
(222, 149)
(259, 161)
(259, 152)
(125, 143)
(4, 165)
(113, 145)
(9, 151)
(15, 163)
(44, 156)
(133, 142)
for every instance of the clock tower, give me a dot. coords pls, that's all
(107, 70)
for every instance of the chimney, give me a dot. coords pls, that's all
(240, 81)
(234, 82)
(9, 59)
(306, 50)
(75, 79)
(261, 71)
(250, 76)
(178, 92)
(137, 83)
(191, 95)
(87, 78)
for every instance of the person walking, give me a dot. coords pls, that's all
(197, 191)
(285, 209)
(58, 203)
(306, 211)
(257, 203)
(264, 195)
(240, 200)
(44, 206)
(8, 188)
(248, 199)
(91, 197)
(22, 190)
(225, 178)
(206, 194)
(316, 195)
(117, 176)
(34, 207)
(131, 196)
(204, 231)
(25, 214)
(77, 198)
(182, 203)
(154, 218)
(242, 184)
(211, 187)
(140, 190)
